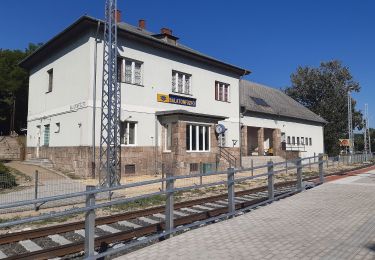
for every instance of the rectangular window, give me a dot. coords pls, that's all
(222, 91)
(302, 141)
(46, 135)
(197, 138)
(168, 137)
(129, 71)
(288, 140)
(188, 138)
(129, 168)
(306, 141)
(50, 80)
(128, 131)
(194, 167)
(181, 82)
(283, 137)
(297, 140)
(310, 141)
(57, 128)
(293, 140)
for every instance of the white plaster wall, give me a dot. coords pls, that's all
(292, 129)
(69, 96)
(71, 101)
(140, 102)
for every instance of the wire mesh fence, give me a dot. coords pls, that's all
(39, 186)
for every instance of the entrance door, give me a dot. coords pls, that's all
(38, 141)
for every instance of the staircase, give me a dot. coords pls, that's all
(260, 160)
(227, 156)
(43, 162)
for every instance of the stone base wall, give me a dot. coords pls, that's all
(11, 148)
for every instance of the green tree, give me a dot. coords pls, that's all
(359, 141)
(13, 88)
(324, 91)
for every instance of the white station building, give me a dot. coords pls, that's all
(173, 99)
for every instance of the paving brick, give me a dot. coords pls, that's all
(332, 221)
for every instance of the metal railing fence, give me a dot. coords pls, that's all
(232, 178)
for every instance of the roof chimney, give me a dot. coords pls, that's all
(142, 24)
(117, 16)
(166, 31)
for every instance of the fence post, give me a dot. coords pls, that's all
(327, 161)
(90, 224)
(271, 190)
(299, 173)
(230, 183)
(200, 171)
(321, 172)
(36, 186)
(310, 164)
(169, 207)
(252, 167)
(286, 164)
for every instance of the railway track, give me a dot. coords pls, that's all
(67, 239)
(118, 230)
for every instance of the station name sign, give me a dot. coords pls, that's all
(177, 100)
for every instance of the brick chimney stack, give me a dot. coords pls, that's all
(142, 24)
(166, 31)
(117, 16)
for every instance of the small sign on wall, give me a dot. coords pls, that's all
(178, 100)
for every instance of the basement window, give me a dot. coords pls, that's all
(194, 168)
(260, 101)
(129, 168)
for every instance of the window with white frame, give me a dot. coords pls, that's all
(46, 135)
(181, 82)
(168, 137)
(293, 140)
(197, 138)
(222, 140)
(129, 71)
(222, 91)
(288, 142)
(310, 141)
(302, 141)
(128, 133)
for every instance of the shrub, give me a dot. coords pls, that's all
(7, 179)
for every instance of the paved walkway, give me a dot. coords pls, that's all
(333, 221)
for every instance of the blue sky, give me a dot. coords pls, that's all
(269, 37)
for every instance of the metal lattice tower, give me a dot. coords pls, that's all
(350, 124)
(110, 148)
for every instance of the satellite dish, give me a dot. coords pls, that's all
(219, 128)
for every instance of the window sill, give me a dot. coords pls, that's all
(179, 93)
(222, 101)
(134, 84)
(128, 145)
(167, 151)
(198, 151)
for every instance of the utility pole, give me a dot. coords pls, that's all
(366, 132)
(350, 123)
(110, 148)
(365, 143)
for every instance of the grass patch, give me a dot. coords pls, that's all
(156, 200)
(7, 179)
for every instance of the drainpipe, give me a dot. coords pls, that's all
(93, 167)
